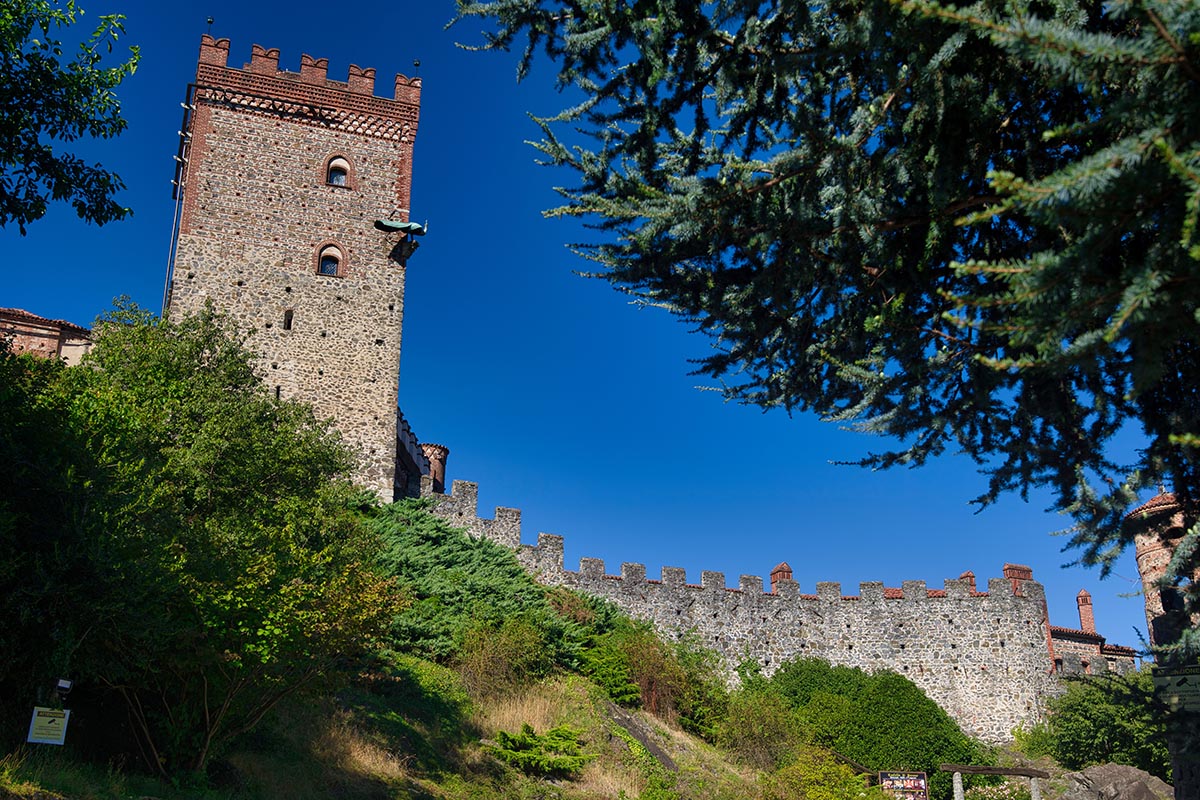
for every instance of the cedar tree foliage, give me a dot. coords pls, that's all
(969, 227)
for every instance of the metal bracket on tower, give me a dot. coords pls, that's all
(410, 230)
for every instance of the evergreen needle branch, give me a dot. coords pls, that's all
(1173, 43)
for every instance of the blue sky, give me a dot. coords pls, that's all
(553, 393)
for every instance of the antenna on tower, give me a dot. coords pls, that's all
(210, 22)
(416, 67)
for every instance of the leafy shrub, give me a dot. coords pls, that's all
(759, 729)
(496, 659)
(880, 720)
(1034, 741)
(632, 658)
(607, 664)
(1109, 718)
(703, 700)
(175, 539)
(817, 775)
(556, 753)
(679, 682)
(798, 680)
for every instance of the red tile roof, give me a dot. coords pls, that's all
(1162, 502)
(21, 313)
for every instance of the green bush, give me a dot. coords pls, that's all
(1109, 719)
(496, 659)
(175, 539)
(607, 664)
(880, 720)
(631, 657)
(817, 775)
(556, 753)
(703, 700)
(1034, 741)
(679, 682)
(460, 584)
(760, 729)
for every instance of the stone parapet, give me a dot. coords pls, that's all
(982, 656)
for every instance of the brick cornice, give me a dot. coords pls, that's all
(330, 106)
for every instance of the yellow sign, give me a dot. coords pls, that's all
(48, 726)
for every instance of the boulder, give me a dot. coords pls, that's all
(1115, 782)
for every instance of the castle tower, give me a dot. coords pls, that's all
(282, 178)
(1158, 525)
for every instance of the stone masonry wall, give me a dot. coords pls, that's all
(982, 656)
(257, 211)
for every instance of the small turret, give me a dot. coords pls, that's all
(437, 455)
(781, 572)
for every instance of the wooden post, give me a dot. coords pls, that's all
(1035, 791)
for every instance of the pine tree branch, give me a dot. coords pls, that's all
(1173, 43)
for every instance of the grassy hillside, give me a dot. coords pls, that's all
(409, 730)
(241, 624)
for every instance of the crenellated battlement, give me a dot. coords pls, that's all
(546, 559)
(313, 71)
(982, 656)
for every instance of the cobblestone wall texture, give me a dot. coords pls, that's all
(257, 210)
(982, 656)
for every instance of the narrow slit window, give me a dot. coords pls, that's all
(287, 320)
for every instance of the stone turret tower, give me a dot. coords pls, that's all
(282, 178)
(1159, 525)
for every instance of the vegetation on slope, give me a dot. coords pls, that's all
(241, 624)
(173, 539)
(1104, 719)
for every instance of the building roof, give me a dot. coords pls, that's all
(25, 316)
(1161, 502)
(1076, 633)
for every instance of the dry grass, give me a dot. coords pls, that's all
(343, 746)
(605, 778)
(323, 753)
(542, 706)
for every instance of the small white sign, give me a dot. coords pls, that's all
(48, 726)
(1179, 688)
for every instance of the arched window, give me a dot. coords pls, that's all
(337, 172)
(330, 260)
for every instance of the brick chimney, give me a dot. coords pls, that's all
(1087, 619)
(969, 577)
(781, 572)
(1016, 573)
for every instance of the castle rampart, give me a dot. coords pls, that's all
(982, 656)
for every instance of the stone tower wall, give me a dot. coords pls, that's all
(256, 211)
(982, 656)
